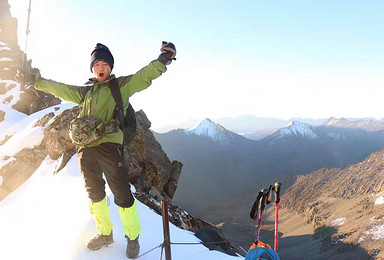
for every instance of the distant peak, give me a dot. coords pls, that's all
(296, 128)
(206, 125)
(334, 120)
(210, 129)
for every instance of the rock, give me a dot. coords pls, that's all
(2, 114)
(149, 165)
(33, 100)
(17, 171)
(8, 26)
(30, 100)
(171, 186)
(214, 241)
(56, 135)
(177, 216)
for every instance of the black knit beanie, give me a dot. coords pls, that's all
(101, 52)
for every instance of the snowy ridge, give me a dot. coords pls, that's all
(369, 125)
(211, 130)
(296, 128)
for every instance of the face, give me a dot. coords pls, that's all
(102, 70)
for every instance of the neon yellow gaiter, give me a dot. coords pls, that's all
(130, 219)
(100, 212)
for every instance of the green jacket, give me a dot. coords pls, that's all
(98, 100)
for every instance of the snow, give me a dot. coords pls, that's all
(375, 231)
(4, 48)
(337, 222)
(379, 200)
(28, 138)
(47, 217)
(5, 59)
(368, 125)
(211, 130)
(296, 128)
(15, 121)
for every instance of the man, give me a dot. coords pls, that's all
(102, 154)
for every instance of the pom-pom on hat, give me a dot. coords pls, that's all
(101, 52)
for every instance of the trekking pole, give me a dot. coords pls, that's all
(277, 187)
(263, 200)
(27, 31)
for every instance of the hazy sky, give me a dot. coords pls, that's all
(269, 58)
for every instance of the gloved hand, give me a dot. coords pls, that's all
(168, 53)
(26, 74)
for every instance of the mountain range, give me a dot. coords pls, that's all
(223, 171)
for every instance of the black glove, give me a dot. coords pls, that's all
(168, 53)
(26, 74)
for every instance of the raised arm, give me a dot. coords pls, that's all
(67, 92)
(143, 78)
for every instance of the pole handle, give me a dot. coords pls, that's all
(277, 188)
(264, 199)
(255, 207)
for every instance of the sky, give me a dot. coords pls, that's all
(42, 220)
(282, 59)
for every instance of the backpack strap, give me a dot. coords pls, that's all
(83, 92)
(119, 110)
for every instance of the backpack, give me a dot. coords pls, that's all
(262, 253)
(127, 122)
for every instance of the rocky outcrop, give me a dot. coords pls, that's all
(25, 99)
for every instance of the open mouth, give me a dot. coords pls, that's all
(101, 74)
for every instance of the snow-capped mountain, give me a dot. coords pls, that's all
(368, 125)
(216, 132)
(296, 128)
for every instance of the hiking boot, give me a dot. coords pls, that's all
(133, 247)
(100, 240)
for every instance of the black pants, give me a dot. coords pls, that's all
(107, 158)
